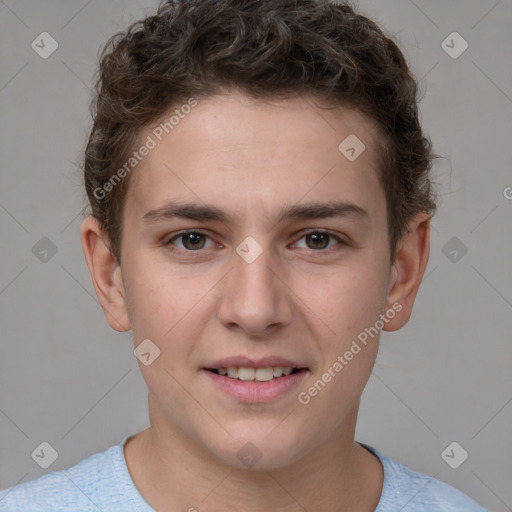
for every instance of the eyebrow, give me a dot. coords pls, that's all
(205, 212)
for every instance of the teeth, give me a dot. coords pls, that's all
(259, 374)
(246, 373)
(278, 371)
(263, 374)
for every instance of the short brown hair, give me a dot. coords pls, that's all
(266, 49)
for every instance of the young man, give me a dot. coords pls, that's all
(260, 195)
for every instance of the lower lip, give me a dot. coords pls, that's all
(253, 391)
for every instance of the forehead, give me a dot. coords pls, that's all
(238, 152)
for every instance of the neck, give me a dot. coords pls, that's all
(174, 472)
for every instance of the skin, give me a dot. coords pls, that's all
(297, 300)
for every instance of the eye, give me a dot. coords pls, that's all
(319, 240)
(191, 240)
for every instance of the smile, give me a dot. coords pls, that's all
(256, 385)
(255, 374)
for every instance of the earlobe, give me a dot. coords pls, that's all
(105, 273)
(407, 270)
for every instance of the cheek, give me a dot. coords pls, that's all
(349, 304)
(348, 300)
(352, 304)
(170, 311)
(163, 312)
(156, 298)
(150, 305)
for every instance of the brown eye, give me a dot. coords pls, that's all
(193, 241)
(190, 240)
(318, 240)
(321, 240)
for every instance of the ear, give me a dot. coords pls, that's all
(407, 270)
(106, 274)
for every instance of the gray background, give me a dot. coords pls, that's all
(66, 378)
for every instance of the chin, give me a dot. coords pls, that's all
(257, 450)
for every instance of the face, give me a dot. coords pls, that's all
(284, 266)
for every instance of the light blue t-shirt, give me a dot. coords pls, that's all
(102, 483)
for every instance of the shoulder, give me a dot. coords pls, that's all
(410, 491)
(75, 488)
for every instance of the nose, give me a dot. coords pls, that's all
(255, 297)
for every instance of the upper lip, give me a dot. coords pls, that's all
(248, 362)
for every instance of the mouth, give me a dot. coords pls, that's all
(263, 374)
(251, 382)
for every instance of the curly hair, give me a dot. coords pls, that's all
(266, 49)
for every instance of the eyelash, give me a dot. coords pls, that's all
(198, 232)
